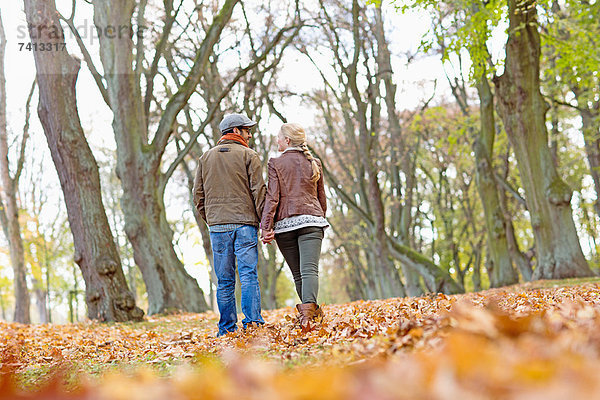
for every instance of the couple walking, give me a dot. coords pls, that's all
(231, 196)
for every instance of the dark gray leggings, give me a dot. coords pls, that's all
(301, 249)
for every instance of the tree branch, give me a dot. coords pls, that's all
(139, 46)
(510, 189)
(563, 103)
(169, 20)
(441, 278)
(86, 55)
(337, 187)
(21, 159)
(3, 125)
(179, 99)
(224, 93)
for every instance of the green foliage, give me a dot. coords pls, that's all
(460, 25)
(570, 37)
(573, 166)
(284, 289)
(6, 295)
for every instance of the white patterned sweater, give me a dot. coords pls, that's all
(299, 221)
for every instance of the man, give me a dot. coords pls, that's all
(229, 194)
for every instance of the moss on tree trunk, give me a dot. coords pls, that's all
(523, 110)
(503, 272)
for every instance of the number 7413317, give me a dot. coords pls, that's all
(42, 46)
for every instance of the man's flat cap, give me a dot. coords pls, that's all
(235, 120)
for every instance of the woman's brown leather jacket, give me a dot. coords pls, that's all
(290, 190)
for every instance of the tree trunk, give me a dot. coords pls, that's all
(523, 110)
(359, 285)
(388, 276)
(268, 271)
(107, 295)
(47, 274)
(412, 278)
(412, 282)
(403, 213)
(40, 302)
(204, 232)
(8, 204)
(591, 136)
(477, 268)
(169, 286)
(207, 246)
(131, 279)
(504, 274)
(483, 147)
(589, 218)
(436, 278)
(2, 306)
(518, 258)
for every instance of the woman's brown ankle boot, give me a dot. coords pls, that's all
(309, 313)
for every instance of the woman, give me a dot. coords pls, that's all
(294, 214)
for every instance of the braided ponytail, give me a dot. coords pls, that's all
(297, 137)
(313, 162)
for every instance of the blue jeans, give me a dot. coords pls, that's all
(240, 244)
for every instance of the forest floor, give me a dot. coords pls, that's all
(535, 340)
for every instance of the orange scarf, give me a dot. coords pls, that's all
(235, 137)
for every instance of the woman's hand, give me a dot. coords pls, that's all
(267, 236)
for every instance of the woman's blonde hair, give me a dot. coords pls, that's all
(297, 137)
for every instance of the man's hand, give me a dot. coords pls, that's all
(267, 236)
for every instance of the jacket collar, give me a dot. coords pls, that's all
(291, 149)
(228, 141)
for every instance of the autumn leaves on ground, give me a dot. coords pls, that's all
(539, 340)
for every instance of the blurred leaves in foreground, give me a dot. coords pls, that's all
(518, 342)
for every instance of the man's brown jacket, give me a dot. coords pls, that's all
(229, 187)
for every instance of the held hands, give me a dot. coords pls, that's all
(267, 236)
